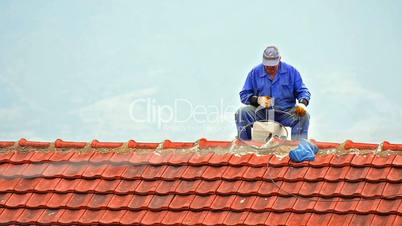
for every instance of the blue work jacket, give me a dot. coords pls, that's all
(285, 89)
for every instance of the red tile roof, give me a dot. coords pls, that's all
(204, 182)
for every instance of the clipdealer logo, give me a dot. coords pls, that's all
(147, 110)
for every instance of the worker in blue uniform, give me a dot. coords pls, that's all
(270, 93)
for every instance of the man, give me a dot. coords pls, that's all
(270, 93)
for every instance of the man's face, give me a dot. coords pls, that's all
(272, 69)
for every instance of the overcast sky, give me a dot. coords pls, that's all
(83, 70)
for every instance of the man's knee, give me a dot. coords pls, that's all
(245, 112)
(305, 117)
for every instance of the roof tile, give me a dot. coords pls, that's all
(38, 200)
(87, 185)
(8, 184)
(269, 187)
(352, 188)
(367, 205)
(132, 217)
(298, 219)
(305, 204)
(284, 203)
(254, 173)
(112, 217)
(395, 175)
(80, 157)
(243, 203)
(174, 218)
(133, 172)
(160, 202)
(311, 188)
(47, 185)
(55, 170)
(173, 172)
(202, 202)
(240, 160)
(325, 204)
(94, 171)
(387, 206)
(321, 160)
(372, 189)
(314, 174)
(356, 173)
(376, 174)
(290, 188)
(392, 190)
(58, 200)
(180, 159)
(166, 187)
(319, 219)
(215, 218)
(214, 172)
(336, 173)
(18, 200)
(276, 161)
(278, 218)
(200, 159)
(27, 184)
(77, 185)
(235, 218)
(67, 185)
(223, 202)
(219, 159)
(247, 187)
(10, 216)
(49, 216)
(126, 186)
(91, 216)
(260, 160)
(194, 172)
(340, 219)
(99, 201)
(256, 218)
(160, 158)
(384, 220)
(359, 219)
(194, 218)
(383, 161)
(153, 172)
(264, 203)
(59, 156)
(181, 201)
(120, 201)
(114, 186)
(346, 205)
(147, 187)
(140, 201)
(341, 160)
(331, 189)
(275, 173)
(187, 187)
(71, 216)
(233, 173)
(362, 160)
(295, 173)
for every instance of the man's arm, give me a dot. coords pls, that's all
(247, 95)
(301, 91)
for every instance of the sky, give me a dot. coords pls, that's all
(173, 69)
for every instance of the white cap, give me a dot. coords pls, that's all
(271, 56)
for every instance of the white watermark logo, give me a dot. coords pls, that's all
(147, 110)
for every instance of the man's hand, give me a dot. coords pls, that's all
(301, 109)
(264, 101)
